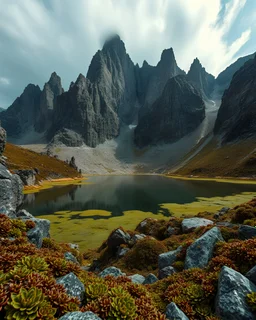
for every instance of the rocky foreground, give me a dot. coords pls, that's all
(193, 268)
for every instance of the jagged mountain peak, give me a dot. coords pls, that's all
(113, 42)
(167, 58)
(31, 88)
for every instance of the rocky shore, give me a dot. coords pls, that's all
(195, 268)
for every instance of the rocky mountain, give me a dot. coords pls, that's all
(95, 106)
(224, 78)
(33, 109)
(237, 113)
(2, 109)
(178, 111)
(152, 80)
(52, 89)
(202, 80)
(21, 115)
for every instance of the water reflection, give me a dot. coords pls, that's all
(122, 193)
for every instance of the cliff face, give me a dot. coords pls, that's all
(236, 116)
(178, 111)
(202, 80)
(152, 80)
(52, 89)
(22, 113)
(95, 106)
(224, 78)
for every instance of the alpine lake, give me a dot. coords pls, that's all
(85, 212)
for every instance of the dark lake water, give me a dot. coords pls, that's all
(123, 193)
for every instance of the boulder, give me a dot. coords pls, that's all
(137, 278)
(35, 236)
(200, 252)
(190, 224)
(230, 302)
(247, 232)
(251, 275)
(151, 278)
(174, 313)
(168, 258)
(42, 224)
(2, 139)
(4, 173)
(121, 252)
(28, 177)
(17, 189)
(165, 272)
(137, 237)
(24, 214)
(70, 257)
(170, 231)
(73, 286)
(111, 271)
(117, 238)
(77, 315)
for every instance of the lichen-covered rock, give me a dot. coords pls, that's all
(174, 313)
(88, 315)
(73, 286)
(117, 238)
(24, 214)
(11, 192)
(70, 257)
(28, 177)
(137, 278)
(251, 275)
(151, 278)
(190, 224)
(111, 271)
(165, 272)
(35, 236)
(121, 252)
(137, 237)
(168, 258)
(247, 232)
(233, 288)
(200, 252)
(2, 139)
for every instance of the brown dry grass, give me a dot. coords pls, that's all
(49, 167)
(231, 160)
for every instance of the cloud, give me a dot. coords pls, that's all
(38, 37)
(4, 81)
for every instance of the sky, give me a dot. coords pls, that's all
(38, 37)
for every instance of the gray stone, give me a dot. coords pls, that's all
(2, 139)
(4, 173)
(77, 315)
(138, 237)
(170, 231)
(17, 189)
(111, 271)
(233, 288)
(151, 278)
(35, 236)
(174, 313)
(67, 137)
(73, 286)
(42, 224)
(74, 246)
(121, 252)
(117, 238)
(251, 275)
(70, 257)
(200, 252)
(247, 232)
(24, 214)
(224, 210)
(137, 278)
(190, 224)
(168, 258)
(28, 177)
(165, 272)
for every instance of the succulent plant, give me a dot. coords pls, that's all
(25, 304)
(95, 290)
(251, 300)
(36, 264)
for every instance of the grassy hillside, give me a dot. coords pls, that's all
(232, 160)
(49, 167)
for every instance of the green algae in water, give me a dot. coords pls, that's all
(86, 214)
